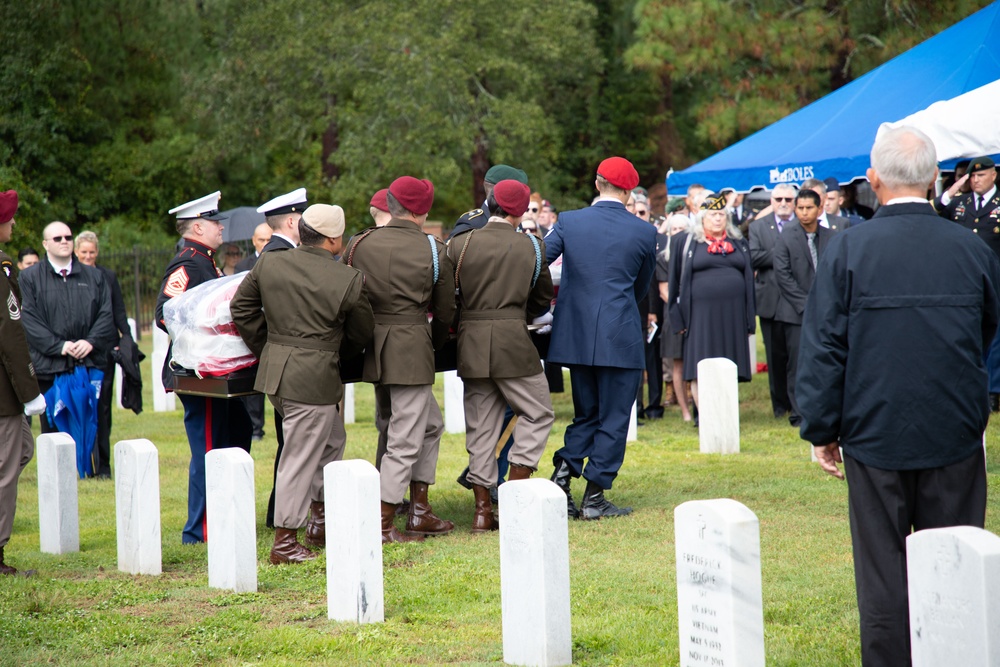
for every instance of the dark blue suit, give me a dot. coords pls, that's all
(608, 262)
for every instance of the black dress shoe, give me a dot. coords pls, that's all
(994, 402)
(595, 505)
(562, 477)
(463, 479)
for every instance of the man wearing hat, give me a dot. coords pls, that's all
(300, 333)
(282, 215)
(211, 423)
(478, 217)
(19, 394)
(408, 274)
(503, 281)
(608, 263)
(979, 211)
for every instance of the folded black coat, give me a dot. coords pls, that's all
(128, 357)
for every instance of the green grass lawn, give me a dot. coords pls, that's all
(442, 597)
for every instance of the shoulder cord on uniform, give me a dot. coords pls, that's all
(538, 259)
(361, 236)
(434, 257)
(461, 257)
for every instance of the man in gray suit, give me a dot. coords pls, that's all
(764, 234)
(796, 255)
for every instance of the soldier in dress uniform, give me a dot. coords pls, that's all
(211, 423)
(408, 274)
(478, 217)
(503, 281)
(19, 395)
(979, 211)
(300, 312)
(282, 215)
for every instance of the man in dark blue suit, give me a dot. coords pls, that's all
(608, 261)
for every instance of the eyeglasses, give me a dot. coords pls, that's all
(60, 239)
(640, 211)
(787, 200)
(533, 209)
(232, 254)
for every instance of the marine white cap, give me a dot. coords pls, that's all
(292, 202)
(207, 207)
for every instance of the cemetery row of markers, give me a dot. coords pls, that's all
(954, 573)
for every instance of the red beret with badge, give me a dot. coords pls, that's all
(8, 206)
(415, 195)
(619, 172)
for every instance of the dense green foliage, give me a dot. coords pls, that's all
(121, 110)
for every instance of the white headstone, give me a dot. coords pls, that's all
(58, 511)
(349, 403)
(633, 425)
(752, 342)
(954, 588)
(719, 599)
(232, 523)
(354, 588)
(162, 401)
(534, 574)
(454, 403)
(118, 370)
(718, 407)
(137, 506)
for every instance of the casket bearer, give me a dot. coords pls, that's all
(211, 423)
(298, 311)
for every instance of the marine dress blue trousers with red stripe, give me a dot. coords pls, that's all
(211, 423)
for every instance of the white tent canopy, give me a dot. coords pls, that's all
(966, 126)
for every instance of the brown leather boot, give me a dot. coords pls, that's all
(389, 532)
(316, 528)
(287, 549)
(483, 520)
(4, 568)
(421, 520)
(518, 471)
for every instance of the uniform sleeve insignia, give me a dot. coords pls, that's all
(176, 283)
(31, 369)
(12, 308)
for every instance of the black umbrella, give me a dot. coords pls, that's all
(240, 223)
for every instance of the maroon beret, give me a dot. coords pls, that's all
(8, 206)
(378, 200)
(414, 194)
(512, 196)
(619, 172)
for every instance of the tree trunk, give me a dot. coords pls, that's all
(331, 142)
(480, 163)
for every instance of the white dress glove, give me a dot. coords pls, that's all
(546, 321)
(35, 406)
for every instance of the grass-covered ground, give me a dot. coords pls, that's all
(442, 597)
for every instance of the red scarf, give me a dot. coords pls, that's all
(719, 246)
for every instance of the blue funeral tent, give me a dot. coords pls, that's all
(834, 135)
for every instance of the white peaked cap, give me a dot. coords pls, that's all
(292, 202)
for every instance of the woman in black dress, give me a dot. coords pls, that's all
(711, 292)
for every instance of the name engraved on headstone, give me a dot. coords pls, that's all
(720, 613)
(953, 579)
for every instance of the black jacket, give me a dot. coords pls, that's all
(128, 357)
(55, 310)
(902, 309)
(793, 270)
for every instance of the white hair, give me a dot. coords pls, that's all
(668, 224)
(698, 232)
(904, 158)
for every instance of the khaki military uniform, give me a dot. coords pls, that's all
(496, 358)
(18, 386)
(398, 263)
(314, 310)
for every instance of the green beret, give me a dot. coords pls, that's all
(502, 172)
(980, 164)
